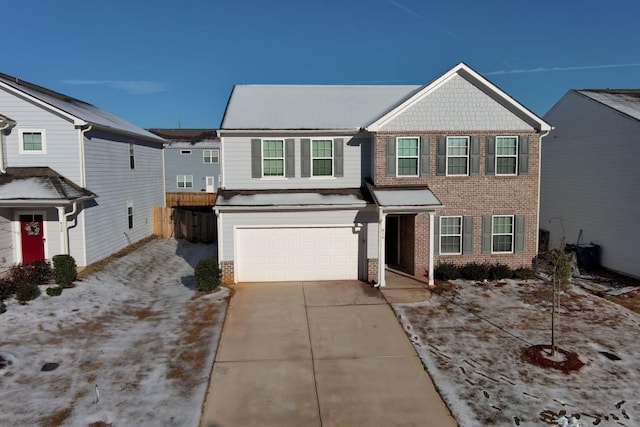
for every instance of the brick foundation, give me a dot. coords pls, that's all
(372, 270)
(227, 272)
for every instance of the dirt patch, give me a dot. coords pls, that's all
(100, 265)
(57, 418)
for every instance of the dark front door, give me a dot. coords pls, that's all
(32, 236)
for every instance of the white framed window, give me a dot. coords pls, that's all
(451, 235)
(322, 157)
(273, 157)
(130, 214)
(502, 227)
(33, 141)
(132, 157)
(185, 181)
(211, 156)
(506, 155)
(457, 155)
(185, 152)
(407, 149)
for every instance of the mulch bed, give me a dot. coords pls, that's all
(539, 355)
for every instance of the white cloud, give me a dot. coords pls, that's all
(136, 87)
(550, 69)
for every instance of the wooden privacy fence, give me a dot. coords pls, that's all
(185, 224)
(176, 199)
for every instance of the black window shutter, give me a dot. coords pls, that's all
(441, 156)
(391, 156)
(475, 155)
(486, 234)
(436, 235)
(490, 164)
(338, 157)
(425, 155)
(305, 167)
(290, 158)
(467, 235)
(256, 158)
(519, 234)
(523, 155)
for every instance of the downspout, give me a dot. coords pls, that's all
(64, 230)
(539, 182)
(431, 247)
(381, 246)
(7, 125)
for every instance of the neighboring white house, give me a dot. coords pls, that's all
(590, 175)
(73, 178)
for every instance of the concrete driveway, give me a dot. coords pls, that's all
(317, 354)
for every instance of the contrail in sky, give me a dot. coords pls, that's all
(550, 69)
(134, 87)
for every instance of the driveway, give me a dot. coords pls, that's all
(317, 353)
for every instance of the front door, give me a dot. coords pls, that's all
(32, 237)
(211, 184)
(392, 240)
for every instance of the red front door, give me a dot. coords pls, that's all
(32, 238)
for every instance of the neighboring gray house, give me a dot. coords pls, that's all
(191, 160)
(339, 182)
(74, 179)
(590, 175)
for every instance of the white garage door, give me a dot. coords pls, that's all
(284, 254)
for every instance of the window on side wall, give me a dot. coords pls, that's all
(502, 234)
(32, 141)
(132, 157)
(457, 155)
(130, 214)
(322, 157)
(272, 157)
(451, 235)
(506, 155)
(185, 181)
(407, 155)
(211, 156)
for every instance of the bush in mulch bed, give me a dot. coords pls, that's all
(539, 355)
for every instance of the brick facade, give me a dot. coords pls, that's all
(469, 196)
(227, 272)
(372, 270)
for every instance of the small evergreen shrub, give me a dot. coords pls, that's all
(500, 271)
(3, 308)
(54, 291)
(40, 271)
(447, 271)
(64, 270)
(523, 273)
(208, 274)
(26, 291)
(475, 271)
(7, 288)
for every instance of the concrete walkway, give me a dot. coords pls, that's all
(317, 354)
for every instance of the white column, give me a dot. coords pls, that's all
(381, 260)
(64, 235)
(431, 246)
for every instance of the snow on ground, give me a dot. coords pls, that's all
(470, 338)
(135, 331)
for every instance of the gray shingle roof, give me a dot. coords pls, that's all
(309, 106)
(79, 109)
(39, 183)
(626, 101)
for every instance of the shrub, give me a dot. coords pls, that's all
(475, 271)
(3, 308)
(447, 271)
(500, 271)
(208, 274)
(40, 271)
(26, 291)
(523, 273)
(7, 288)
(64, 270)
(54, 291)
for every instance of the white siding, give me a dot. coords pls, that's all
(590, 179)
(237, 166)
(62, 152)
(6, 239)
(311, 217)
(109, 176)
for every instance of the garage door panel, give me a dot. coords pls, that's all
(279, 254)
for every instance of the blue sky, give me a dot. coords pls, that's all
(167, 63)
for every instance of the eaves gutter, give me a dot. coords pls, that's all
(118, 131)
(290, 207)
(346, 132)
(42, 202)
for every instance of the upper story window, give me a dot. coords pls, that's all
(322, 157)
(506, 155)
(32, 141)
(185, 181)
(185, 152)
(211, 156)
(457, 155)
(272, 157)
(502, 234)
(451, 235)
(132, 157)
(407, 156)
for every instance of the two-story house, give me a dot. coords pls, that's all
(74, 179)
(337, 182)
(191, 166)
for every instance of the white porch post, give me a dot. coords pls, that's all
(431, 246)
(64, 236)
(381, 261)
